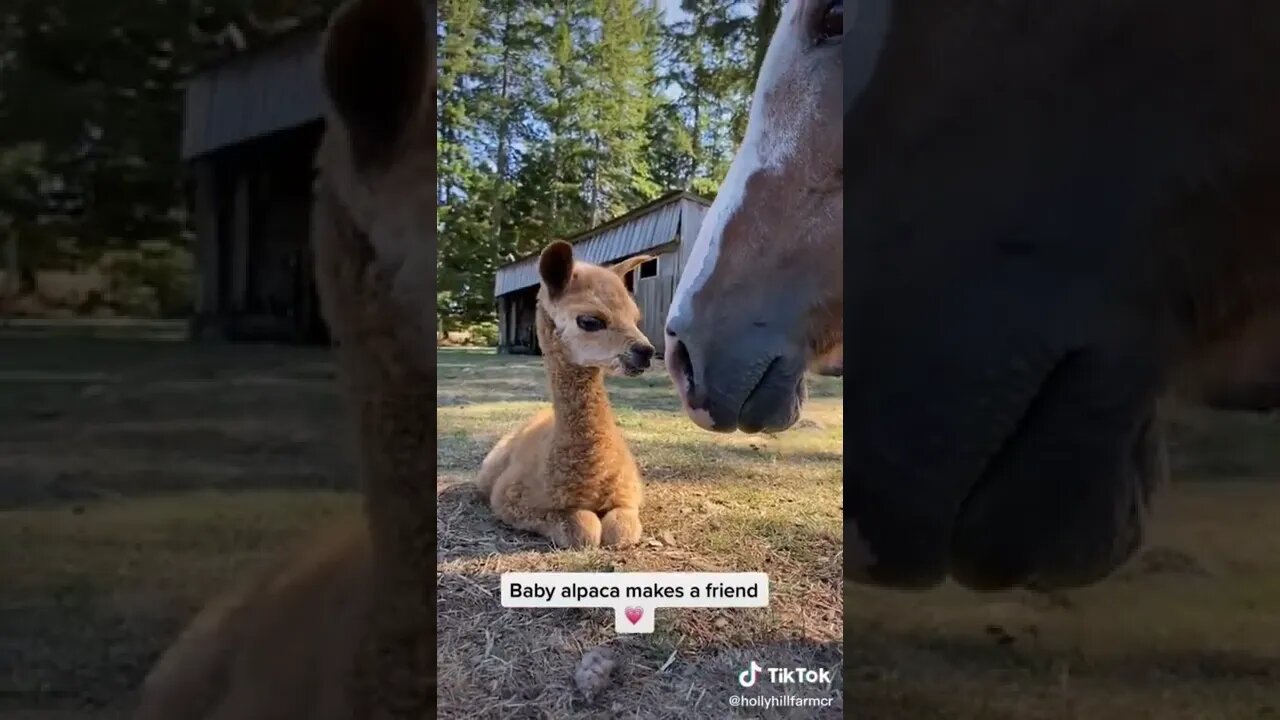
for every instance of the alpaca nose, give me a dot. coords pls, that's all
(641, 354)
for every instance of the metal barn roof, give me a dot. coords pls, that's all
(644, 228)
(272, 86)
(252, 94)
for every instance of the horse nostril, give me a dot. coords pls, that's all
(642, 354)
(680, 366)
(670, 331)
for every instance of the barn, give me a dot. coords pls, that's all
(665, 227)
(252, 124)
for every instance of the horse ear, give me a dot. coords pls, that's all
(630, 264)
(374, 68)
(556, 267)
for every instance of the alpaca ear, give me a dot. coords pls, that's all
(375, 71)
(630, 264)
(556, 267)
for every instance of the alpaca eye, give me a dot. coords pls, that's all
(590, 323)
(831, 25)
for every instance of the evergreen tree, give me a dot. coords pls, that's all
(462, 220)
(712, 76)
(618, 99)
(767, 14)
(557, 115)
(97, 89)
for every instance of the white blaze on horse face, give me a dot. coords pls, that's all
(752, 157)
(774, 130)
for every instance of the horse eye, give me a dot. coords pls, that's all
(590, 323)
(832, 23)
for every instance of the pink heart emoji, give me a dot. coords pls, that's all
(634, 614)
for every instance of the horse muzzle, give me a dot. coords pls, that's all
(754, 384)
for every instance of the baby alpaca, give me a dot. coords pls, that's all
(567, 473)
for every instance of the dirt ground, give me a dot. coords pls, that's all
(137, 477)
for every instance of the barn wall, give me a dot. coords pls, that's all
(691, 216)
(255, 273)
(279, 260)
(517, 318)
(205, 219)
(504, 326)
(669, 262)
(241, 226)
(653, 296)
(651, 226)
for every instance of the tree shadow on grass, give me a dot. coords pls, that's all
(1005, 673)
(93, 419)
(78, 648)
(668, 461)
(467, 528)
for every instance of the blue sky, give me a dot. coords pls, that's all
(671, 8)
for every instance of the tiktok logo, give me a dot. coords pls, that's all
(747, 677)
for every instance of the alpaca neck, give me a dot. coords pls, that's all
(388, 371)
(581, 403)
(396, 434)
(395, 413)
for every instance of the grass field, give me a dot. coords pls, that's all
(137, 477)
(713, 503)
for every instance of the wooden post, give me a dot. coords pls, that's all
(13, 270)
(205, 220)
(240, 219)
(534, 346)
(503, 323)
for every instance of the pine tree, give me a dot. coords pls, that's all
(767, 14)
(98, 88)
(556, 115)
(712, 78)
(619, 97)
(462, 223)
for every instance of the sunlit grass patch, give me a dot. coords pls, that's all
(712, 503)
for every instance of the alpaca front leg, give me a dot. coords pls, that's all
(575, 529)
(571, 529)
(620, 527)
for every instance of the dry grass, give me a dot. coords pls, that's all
(1189, 631)
(135, 478)
(138, 477)
(713, 503)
